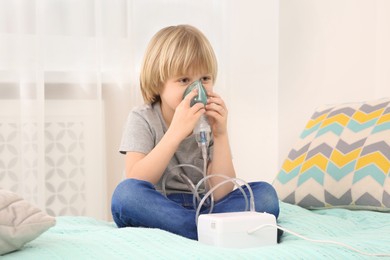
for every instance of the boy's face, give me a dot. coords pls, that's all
(174, 87)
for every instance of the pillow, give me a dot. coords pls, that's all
(20, 222)
(342, 159)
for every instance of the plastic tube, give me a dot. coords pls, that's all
(194, 189)
(234, 180)
(211, 195)
(165, 178)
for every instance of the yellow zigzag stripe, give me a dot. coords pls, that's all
(289, 165)
(318, 160)
(312, 122)
(384, 119)
(377, 158)
(341, 159)
(362, 117)
(342, 119)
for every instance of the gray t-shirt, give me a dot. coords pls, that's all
(144, 128)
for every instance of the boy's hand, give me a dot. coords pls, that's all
(217, 113)
(186, 117)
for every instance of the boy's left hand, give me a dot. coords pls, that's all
(217, 113)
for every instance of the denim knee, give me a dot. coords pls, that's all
(266, 198)
(127, 195)
(129, 189)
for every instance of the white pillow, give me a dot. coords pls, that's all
(20, 222)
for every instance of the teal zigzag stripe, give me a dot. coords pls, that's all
(339, 173)
(357, 127)
(370, 170)
(335, 128)
(381, 127)
(284, 177)
(314, 173)
(307, 132)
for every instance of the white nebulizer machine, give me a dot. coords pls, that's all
(237, 229)
(233, 229)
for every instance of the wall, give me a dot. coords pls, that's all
(252, 78)
(330, 52)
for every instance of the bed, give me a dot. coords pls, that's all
(334, 186)
(88, 238)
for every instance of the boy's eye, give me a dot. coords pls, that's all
(184, 81)
(205, 79)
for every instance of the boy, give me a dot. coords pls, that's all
(158, 136)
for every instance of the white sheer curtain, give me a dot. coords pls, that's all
(55, 57)
(64, 66)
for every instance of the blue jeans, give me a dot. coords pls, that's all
(137, 203)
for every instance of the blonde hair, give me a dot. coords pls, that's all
(174, 51)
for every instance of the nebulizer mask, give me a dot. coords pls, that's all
(202, 130)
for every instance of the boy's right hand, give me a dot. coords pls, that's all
(186, 117)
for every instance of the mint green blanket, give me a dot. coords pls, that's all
(87, 238)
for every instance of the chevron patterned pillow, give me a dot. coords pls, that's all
(342, 159)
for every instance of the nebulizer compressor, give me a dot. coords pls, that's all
(224, 229)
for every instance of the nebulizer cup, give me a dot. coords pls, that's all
(202, 130)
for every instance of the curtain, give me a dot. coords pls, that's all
(55, 57)
(68, 77)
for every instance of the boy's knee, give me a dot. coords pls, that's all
(128, 185)
(126, 198)
(266, 198)
(129, 190)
